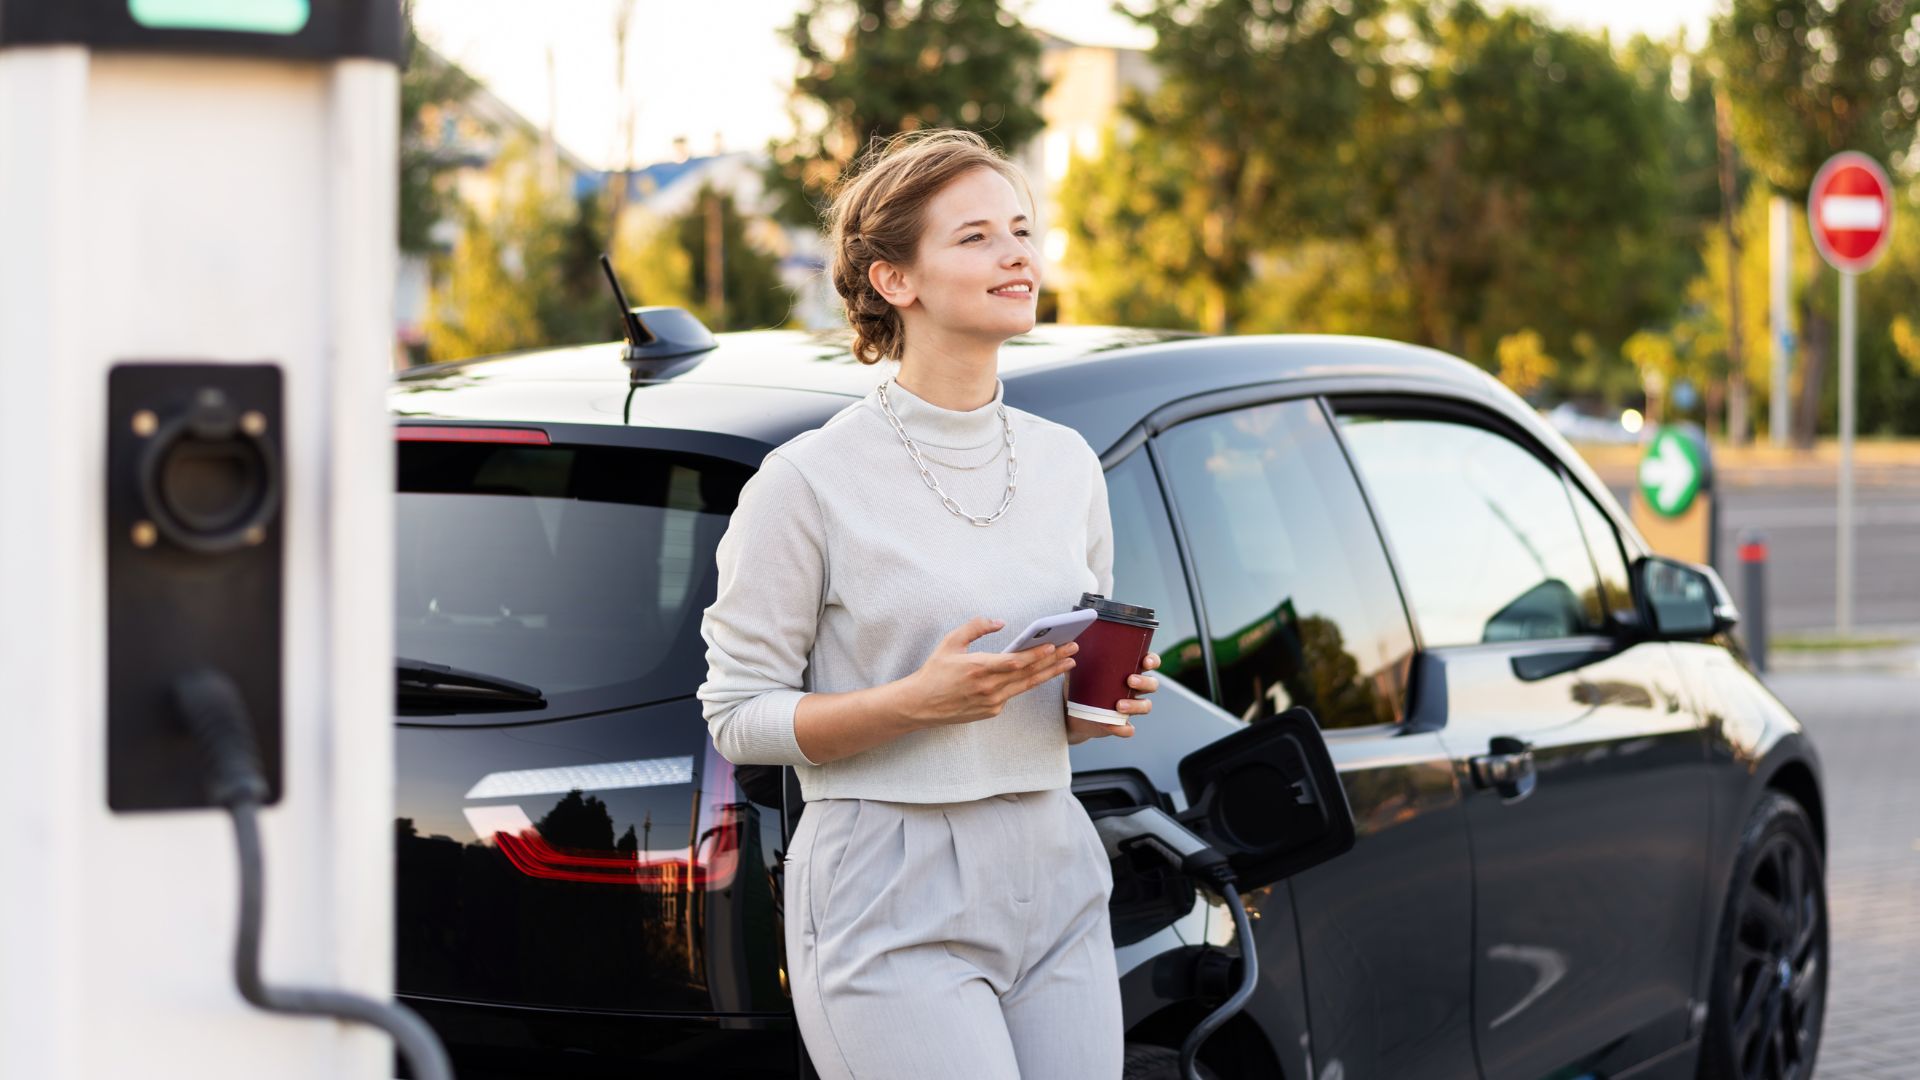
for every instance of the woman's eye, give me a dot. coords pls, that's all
(972, 238)
(1023, 232)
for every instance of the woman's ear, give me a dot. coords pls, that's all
(891, 283)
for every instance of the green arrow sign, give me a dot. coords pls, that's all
(1670, 473)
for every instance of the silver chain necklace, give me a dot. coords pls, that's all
(926, 475)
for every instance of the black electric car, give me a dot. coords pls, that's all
(1590, 841)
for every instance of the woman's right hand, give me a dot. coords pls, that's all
(955, 686)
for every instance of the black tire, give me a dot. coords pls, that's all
(1769, 990)
(1146, 1061)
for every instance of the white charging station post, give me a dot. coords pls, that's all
(208, 181)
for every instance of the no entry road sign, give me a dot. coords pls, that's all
(1850, 210)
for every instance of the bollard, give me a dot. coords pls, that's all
(1753, 571)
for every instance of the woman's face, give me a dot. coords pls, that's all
(977, 272)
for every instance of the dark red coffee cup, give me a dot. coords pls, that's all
(1111, 650)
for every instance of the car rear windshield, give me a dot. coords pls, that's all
(579, 570)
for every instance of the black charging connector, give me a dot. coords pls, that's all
(212, 711)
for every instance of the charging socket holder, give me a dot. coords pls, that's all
(195, 488)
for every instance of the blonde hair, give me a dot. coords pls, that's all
(878, 214)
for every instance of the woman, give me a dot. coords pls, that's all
(945, 894)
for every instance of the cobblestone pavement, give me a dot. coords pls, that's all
(1867, 728)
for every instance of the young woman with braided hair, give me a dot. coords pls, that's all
(945, 893)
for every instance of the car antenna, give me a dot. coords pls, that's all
(637, 334)
(661, 341)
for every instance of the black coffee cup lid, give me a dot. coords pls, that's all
(1114, 610)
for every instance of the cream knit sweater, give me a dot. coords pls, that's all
(841, 570)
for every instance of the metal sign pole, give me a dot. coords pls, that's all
(1850, 217)
(1843, 604)
(1780, 250)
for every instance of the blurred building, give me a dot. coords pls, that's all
(467, 138)
(470, 137)
(1087, 86)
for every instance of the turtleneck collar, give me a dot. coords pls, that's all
(930, 425)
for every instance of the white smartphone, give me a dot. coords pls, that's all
(1054, 629)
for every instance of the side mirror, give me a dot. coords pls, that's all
(1683, 600)
(1269, 798)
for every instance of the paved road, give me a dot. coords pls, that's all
(1798, 519)
(1867, 728)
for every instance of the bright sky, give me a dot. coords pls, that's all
(720, 67)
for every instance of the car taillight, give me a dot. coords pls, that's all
(521, 436)
(709, 861)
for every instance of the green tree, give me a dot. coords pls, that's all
(1465, 177)
(874, 68)
(1250, 139)
(751, 291)
(1706, 323)
(1807, 79)
(481, 305)
(520, 274)
(1524, 363)
(1889, 348)
(1526, 187)
(653, 267)
(1133, 258)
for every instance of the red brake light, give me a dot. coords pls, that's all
(522, 436)
(712, 866)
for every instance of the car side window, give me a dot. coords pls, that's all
(1146, 569)
(1609, 559)
(1483, 531)
(1300, 599)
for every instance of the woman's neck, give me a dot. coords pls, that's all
(951, 373)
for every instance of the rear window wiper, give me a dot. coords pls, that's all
(440, 688)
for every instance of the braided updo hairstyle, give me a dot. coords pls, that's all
(878, 213)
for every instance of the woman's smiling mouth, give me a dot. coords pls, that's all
(1014, 290)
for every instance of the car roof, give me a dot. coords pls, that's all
(770, 385)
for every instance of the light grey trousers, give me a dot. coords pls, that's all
(928, 941)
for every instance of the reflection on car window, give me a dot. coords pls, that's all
(580, 570)
(1300, 600)
(1603, 540)
(1146, 570)
(1483, 531)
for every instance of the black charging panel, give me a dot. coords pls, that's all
(170, 610)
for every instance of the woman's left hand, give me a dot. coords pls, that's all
(1079, 731)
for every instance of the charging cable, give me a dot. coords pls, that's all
(210, 705)
(1156, 830)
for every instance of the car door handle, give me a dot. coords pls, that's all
(1507, 768)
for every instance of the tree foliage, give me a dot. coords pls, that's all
(1454, 179)
(523, 272)
(1249, 139)
(1806, 79)
(1809, 78)
(874, 68)
(1524, 186)
(753, 295)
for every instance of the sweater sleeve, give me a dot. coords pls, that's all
(772, 566)
(1100, 530)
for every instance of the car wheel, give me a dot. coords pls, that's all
(1148, 1062)
(1769, 989)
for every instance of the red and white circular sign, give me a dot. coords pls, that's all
(1850, 210)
